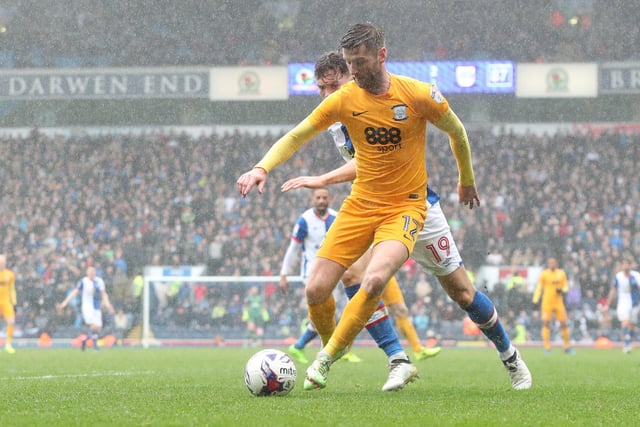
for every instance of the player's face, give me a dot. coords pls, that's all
(321, 201)
(330, 81)
(366, 67)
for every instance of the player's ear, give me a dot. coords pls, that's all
(382, 54)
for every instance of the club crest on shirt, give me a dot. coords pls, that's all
(435, 94)
(400, 112)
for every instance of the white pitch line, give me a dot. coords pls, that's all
(86, 375)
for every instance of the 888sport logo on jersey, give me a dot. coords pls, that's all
(387, 139)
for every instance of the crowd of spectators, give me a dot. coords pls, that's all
(123, 201)
(93, 33)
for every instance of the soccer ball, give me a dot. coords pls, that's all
(270, 373)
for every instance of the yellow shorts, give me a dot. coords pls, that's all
(392, 293)
(7, 311)
(361, 223)
(547, 311)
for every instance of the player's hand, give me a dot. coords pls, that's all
(468, 195)
(302, 182)
(559, 292)
(284, 285)
(248, 180)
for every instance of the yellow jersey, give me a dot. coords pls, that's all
(7, 287)
(388, 133)
(552, 285)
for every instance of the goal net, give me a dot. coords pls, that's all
(203, 310)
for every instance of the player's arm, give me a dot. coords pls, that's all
(69, 297)
(565, 286)
(459, 142)
(288, 263)
(106, 301)
(279, 153)
(13, 298)
(613, 292)
(538, 292)
(344, 173)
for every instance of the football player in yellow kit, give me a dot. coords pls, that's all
(387, 115)
(8, 301)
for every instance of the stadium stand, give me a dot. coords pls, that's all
(123, 201)
(161, 199)
(91, 33)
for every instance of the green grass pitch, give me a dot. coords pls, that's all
(205, 387)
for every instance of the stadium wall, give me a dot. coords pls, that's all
(473, 109)
(497, 128)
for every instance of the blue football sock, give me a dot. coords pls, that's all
(484, 314)
(307, 336)
(627, 336)
(380, 327)
(94, 337)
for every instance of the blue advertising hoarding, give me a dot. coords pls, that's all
(452, 77)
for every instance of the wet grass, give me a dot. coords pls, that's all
(205, 387)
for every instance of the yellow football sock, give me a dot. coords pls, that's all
(407, 330)
(546, 337)
(10, 334)
(323, 317)
(356, 313)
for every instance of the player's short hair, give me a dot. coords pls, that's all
(330, 61)
(365, 34)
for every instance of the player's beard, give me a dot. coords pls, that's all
(321, 210)
(370, 81)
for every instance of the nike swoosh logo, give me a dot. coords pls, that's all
(360, 113)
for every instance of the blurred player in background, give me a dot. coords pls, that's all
(435, 249)
(8, 301)
(93, 292)
(625, 288)
(552, 287)
(256, 316)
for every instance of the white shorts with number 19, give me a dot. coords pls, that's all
(435, 249)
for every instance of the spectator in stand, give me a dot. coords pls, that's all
(574, 296)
